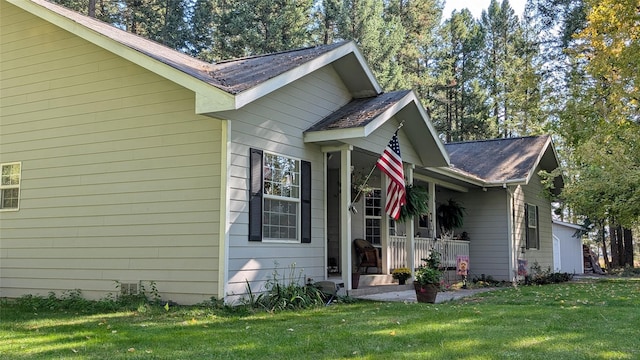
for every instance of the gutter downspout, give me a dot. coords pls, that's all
(511, 234)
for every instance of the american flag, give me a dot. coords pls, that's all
(390, 163)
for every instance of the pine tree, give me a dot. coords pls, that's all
(327, 15)
(458, 103)
(379, 39)
(501, 30)
(419, 20)
(202, 30)
(251, 27)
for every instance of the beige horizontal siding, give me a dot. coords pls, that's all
(120, 178)
(486, 223)
(533, 194)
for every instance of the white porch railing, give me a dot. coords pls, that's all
(449, 250)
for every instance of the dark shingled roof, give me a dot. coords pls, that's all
(232, 76)
(235, 76)
(499, 159)
(359, 112)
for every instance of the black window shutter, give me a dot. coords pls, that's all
(255, 195)
(526, 226)
(537, 229)
(305, 201)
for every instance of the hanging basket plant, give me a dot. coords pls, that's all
(417, 203)
(450, 216)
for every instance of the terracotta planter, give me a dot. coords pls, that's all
(426, 293)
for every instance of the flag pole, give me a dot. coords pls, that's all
(351, 207)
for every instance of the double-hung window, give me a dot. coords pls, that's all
(531, 226)
(281, 186)
(10, 186)
(373, 217)
(279, 198)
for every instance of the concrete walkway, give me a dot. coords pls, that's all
(410, 295)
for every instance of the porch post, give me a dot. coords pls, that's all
(410, 241)
(346, 262)
(384, 230)
(432, 208)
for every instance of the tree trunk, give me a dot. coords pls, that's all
(628, 247)
(615, 253)
(605, 256)
(92, 8)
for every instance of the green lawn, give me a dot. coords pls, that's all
(576, 320)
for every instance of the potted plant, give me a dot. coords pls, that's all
(427, 278)
(450, 216)
(401, 274)
(416, 202)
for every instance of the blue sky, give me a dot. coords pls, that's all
(476, 6)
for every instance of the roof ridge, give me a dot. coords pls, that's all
(497, 139)
(336, 44)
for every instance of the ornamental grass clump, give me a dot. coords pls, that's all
(285, 293)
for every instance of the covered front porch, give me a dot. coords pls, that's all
(397, 257)
(352, 140)
(354, 216)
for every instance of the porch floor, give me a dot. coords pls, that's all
(409, 296)
(382, 288)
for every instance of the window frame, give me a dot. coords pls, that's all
(532, 231)
(4, 187)
(370, 201)
(266, 196)
(391, 224)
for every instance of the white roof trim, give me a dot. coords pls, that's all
(569, 225)
(539, 159)
(432, 129)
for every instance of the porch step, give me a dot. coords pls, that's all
(369, 290)
(377, 279)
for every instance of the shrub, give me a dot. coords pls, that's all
(539, 276)
(629, 271)
(73, 300)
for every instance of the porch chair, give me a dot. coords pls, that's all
(367, 256)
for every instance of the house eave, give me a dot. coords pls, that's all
(569, 225)
(448, 172)
(368, 85)
(334, 135)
